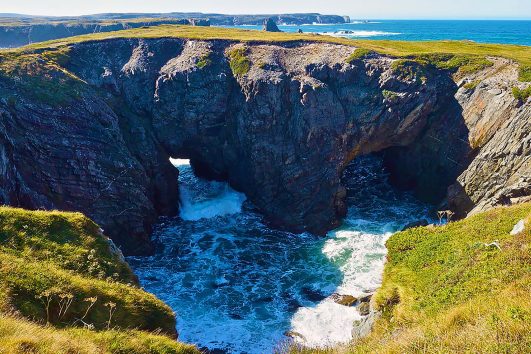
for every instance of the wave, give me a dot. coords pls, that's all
(350, 34)
(202, 199)
(238, 285)
(226, 203)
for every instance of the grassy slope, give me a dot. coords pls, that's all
(54, 256)
(521, 54)
(444, 291)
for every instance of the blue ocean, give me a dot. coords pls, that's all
(481, 31)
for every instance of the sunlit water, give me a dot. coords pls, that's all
(238, 285)
(481, 31)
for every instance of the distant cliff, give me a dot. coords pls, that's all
(91, 126)
(16, 31)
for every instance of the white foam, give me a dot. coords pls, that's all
(361, 34)
(179, 162)
(325, 325)
(360, 257)
(226, 203)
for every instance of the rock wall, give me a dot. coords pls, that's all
(281, 131)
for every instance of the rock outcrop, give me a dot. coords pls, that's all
(281, 129)
(270, 26)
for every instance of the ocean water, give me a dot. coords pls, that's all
(481, 31)
(237, 285)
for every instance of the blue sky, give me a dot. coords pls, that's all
(360, 9)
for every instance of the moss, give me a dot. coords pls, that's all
(204, 61)
(522, 94)
(524, 73)
(49, 259)
(41, 76)
(390, 95)
(472, 84)
(409, 69)
(239, 63)
(360, 53)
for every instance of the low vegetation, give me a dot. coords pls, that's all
(522, 94)
(472, 84)
(20, 336)
(204, 61)
(360, 53)
(468, 54)
(57, 269)
(239, 63)
(460, 288)
(40, 76)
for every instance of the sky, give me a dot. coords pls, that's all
(357, 9)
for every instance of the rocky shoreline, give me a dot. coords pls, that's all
(279, 122)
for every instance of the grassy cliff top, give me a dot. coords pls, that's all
(449, 289)
(521, 54)
(58, 269)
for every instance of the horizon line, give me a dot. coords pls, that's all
(15, 14)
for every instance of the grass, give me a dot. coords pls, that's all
(444, 291)
(359, 54)
(239, 63)
(58, 269)
(41, 76)
(204, 61)
(472, 85)
(465, 53)
(20, 336)
(522, 94)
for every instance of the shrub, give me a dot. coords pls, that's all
(204, 61)
(359, 53)
(472, 84)
(239, 63)
(522, 95)
(524, 73)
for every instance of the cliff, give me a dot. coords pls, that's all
(89, 125)
(58, 269)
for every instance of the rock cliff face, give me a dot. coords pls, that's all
(280, 125)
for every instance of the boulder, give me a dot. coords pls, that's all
(364, 308)
(345, 300)
(365, 298)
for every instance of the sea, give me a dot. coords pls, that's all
(481, 31)
(239, 286)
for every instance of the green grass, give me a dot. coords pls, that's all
(467, 54)
(57, 268)
(204, 61)
(239, 63)
(20, 336)
(41, 76)
(444, 291)
(358, 54)
(472, 85)
(522, 95)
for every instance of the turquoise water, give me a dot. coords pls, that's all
(237, 285)
(508, 32)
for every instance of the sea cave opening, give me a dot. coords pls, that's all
(228, 275)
